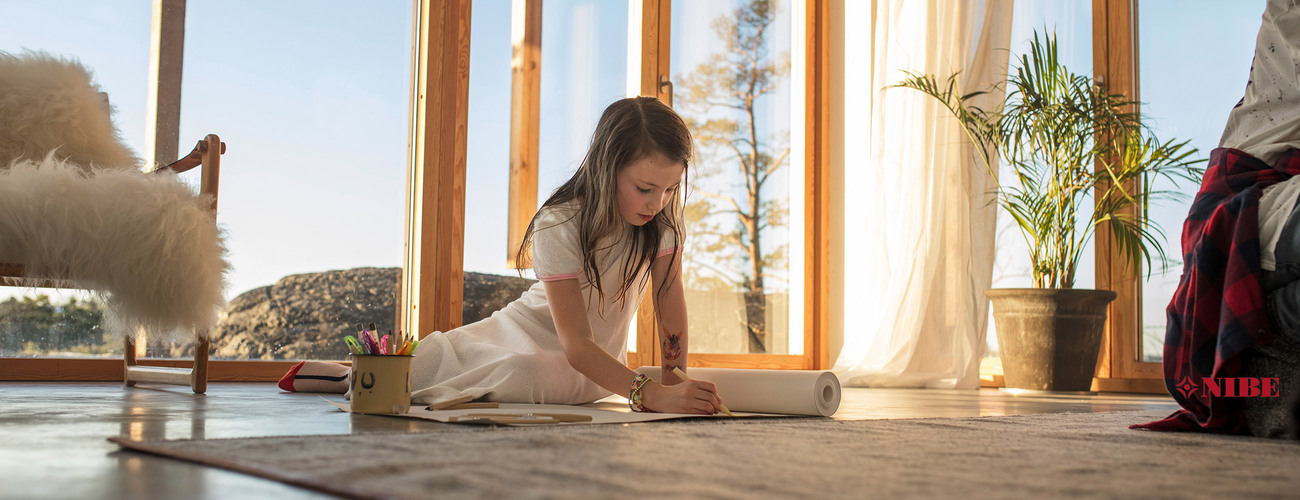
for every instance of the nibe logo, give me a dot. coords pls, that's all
(1230, 387)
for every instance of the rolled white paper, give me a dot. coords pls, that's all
(791, 392)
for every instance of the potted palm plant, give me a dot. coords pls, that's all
(1067, 142)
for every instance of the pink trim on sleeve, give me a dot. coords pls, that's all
(668, 251)
(559, 277)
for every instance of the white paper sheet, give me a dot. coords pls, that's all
(601, 412)
(790, 392)
(746, 392)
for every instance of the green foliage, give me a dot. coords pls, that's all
(1068, 141)
(34, 325)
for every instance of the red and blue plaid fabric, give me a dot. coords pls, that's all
(1218, 310)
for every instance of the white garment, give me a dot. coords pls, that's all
(1266, 122)
(1274, 209)
(515, 355)
(919, 225)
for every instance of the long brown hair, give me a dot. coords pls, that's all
(630, 129)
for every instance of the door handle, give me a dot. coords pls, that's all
(665, 82)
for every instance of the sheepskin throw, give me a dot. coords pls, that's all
(50, 104)
(75, 206)
(145, 242)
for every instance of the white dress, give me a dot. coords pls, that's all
(515, 354)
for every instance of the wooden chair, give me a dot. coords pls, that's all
(51, 108)
(206, 155)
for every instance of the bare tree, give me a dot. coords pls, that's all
(719, 99)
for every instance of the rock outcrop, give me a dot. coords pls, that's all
(306, 316)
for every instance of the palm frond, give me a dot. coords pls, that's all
(1068, 141)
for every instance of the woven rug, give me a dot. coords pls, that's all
(1081, 455)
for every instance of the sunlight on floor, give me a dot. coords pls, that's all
(991, 372)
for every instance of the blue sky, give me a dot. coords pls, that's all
(313, 105)
(1193, 73)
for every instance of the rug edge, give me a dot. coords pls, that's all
(208, 461)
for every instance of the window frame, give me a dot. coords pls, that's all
(1115, 63)
(166, 58)
(656, 81)
(654, 70)
(432, 270)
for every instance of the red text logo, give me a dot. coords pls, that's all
(1231, 387)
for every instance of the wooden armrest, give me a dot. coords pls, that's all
(208, 154)
(193, 159)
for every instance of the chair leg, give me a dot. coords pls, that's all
(199, 373)
(128, 355)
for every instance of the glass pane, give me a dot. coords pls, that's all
(584, 70)
(490, 283)
(1071, 22)
(583, 62)
(740, 220)
(53, 323)
(313, 104)
(111, 39)
(1185, 101)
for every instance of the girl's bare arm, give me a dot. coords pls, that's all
(670, 310)
(569, 312)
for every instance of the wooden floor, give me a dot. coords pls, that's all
(53, 435)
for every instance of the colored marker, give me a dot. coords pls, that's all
(353, 345)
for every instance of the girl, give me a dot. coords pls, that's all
(594, 245)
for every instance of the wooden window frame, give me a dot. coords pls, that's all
(439, 95)
(433, 273)
(1115, 51)
(167, 41)
(655, 66)
(1115, 63)
(525, 111)
(113, 370)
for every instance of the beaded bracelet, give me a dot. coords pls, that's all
(634, 395)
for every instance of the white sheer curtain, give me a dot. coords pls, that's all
(918, 222)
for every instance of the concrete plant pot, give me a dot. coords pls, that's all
(1049, 337)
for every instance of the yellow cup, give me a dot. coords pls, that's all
(381, 384)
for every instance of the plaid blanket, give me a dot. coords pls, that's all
(1218, 309)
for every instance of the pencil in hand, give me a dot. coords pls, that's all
(682, 375)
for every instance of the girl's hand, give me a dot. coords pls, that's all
(691, 396)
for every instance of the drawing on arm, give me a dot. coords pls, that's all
(672, 344)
